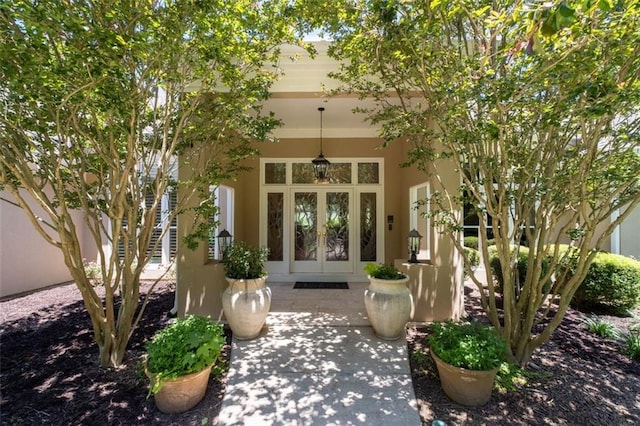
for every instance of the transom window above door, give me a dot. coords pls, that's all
(341, 172)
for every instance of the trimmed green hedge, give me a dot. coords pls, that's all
(496, 269)
(523, 258)
(613, 281)
(471, 242)
(473, 256)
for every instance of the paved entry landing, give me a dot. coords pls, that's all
(317, 365)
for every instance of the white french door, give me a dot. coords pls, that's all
(321, 231)
(322, 235)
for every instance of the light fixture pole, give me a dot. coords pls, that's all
(321, 164)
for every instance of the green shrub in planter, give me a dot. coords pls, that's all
(186, 346)
(467, 345)
(612, 281)
(383, 272)
(244, 262)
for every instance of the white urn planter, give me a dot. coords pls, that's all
(388, 304)
(246, 304)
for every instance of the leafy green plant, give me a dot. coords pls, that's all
(244, 262)
(467, 345)
(601, 327)
(472, 256)
(471, 242)
(631, 344)
(186, 346)
(421, 358)
(613, 281)
(511, 377)
(383, 272)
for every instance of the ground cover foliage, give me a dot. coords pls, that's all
(50, 375)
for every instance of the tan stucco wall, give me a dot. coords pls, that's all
(27, 261)
(437, 285)
(630, 234)
(201, 282)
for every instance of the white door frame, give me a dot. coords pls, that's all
(282, 270)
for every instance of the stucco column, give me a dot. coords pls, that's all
(436, 297)
(199, 280)
(437, 285)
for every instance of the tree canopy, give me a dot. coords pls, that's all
(537, 105)
(98, 101)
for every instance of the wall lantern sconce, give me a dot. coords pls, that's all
(321, 164)
(414, 238)
(224, 241)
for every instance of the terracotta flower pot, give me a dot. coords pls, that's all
(466, 387)
(388, 304)
(246, 304)
(182, 393)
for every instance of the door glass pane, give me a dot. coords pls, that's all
(275, 173)
(302, 173)
(306, 226)
(340, 172)
(337, 226)
(275, 220)
(368, 173)
(368, 237)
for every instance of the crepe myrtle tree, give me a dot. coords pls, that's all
(100, 98)
(536, 105)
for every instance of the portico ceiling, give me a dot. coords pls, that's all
(301, 118)
(302, 88)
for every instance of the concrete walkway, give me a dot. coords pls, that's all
(318, 362)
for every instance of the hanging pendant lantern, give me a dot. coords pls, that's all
(321, 164)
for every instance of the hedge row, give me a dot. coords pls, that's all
(613, 281)
(523, 258)
(473, 256)
(472, 242)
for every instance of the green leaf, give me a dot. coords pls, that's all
(565, 16)
(549, 26)
(605, 5)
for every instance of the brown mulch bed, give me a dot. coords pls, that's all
(578, 379)
(49, 373)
